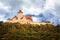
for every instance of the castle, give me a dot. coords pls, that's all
(25, 19)
(20, 18)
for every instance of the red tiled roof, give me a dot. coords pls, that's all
(15, 17)
(28, 17)
(20, 11)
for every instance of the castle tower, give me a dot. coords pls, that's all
(20, 15)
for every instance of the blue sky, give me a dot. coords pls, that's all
(50, 9)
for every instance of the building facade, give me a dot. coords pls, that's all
(20, 18)
(25, 19)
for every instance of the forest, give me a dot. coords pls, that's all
(17, 31)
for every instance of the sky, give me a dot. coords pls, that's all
(48, 10)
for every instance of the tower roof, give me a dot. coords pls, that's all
(20, 11)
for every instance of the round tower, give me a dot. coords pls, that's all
(20, 15)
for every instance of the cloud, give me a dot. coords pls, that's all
(49, 4)
(9, 8)
(4, 7)
(2, 18)
(38, 6)
(57, 7)
(33, 6)
(14, 4)
(32, 10)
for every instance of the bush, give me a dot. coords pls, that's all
(16, 31)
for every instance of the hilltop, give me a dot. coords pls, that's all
(17, 31)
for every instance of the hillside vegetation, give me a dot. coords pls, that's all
(16, 31)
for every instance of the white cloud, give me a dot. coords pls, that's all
(57, 1)
(32, 10)
(32, 7)
(34, 19)
(35, 10)
(4, 7)
(49, 4)
(2, 18)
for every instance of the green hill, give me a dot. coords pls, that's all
(16, 31)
